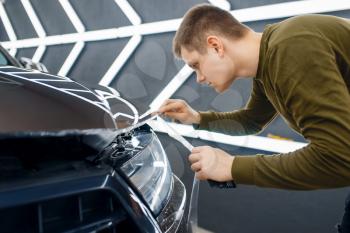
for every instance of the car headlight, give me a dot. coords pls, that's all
(150, 172)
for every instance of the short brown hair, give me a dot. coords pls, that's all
(199, 21)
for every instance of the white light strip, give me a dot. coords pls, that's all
(254, 142)
(244, 15)
(7, 23)
(172, 87)
(13, 52)
(120, 61)
(150, 28)
(288, 9)
(70, 60)
(78, 47)
(223, 4)
(8, 27)
(39, 53)
(33, 18)
(96, 35)
(72, 15)
(129, 11)
(128, 49)
(38, 28)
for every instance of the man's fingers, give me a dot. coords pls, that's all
(200, 175)
(168, 101)
(198, 149)
(171, 107)
(194, 158)
(172, 114)
(196, 167)
(173, 100)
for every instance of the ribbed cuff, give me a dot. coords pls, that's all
(242, 169)
(206, 117)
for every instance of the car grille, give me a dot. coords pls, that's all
(97, 211)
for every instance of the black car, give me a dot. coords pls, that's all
(77, 159)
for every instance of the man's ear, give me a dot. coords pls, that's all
(215, 43)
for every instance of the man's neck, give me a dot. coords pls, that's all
(245, 53)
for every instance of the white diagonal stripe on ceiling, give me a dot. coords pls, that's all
(8, 27)
(37, 27)
(79, 46)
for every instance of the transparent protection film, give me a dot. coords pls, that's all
(150, 172)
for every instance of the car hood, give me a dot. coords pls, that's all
(35, 101)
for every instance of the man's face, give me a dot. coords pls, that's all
(211, 68)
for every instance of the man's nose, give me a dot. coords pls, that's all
(200, 77)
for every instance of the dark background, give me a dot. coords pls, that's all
(243, 210)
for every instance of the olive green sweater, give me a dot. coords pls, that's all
(303, 75)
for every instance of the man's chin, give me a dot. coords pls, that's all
(220, 89)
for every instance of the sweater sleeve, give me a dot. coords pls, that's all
(257, 113)
(309, 84)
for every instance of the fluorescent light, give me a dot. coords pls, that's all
(129, 11)
(39, 53)
(78, 47)
(7, 23)
(70, 60)
(33, 18)
(150, 28)
(288, 9)
(223, 4)
(8, 27)
(172, 87)
(121, 60)
(72, 15)
(38, 28)
(105, 34)
(13, 52)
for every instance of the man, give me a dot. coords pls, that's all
(301, 70)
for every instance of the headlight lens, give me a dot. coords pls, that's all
(150, 172)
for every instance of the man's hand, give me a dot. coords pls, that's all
(211, 163)
(179, 110)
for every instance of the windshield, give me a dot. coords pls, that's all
(3, 60)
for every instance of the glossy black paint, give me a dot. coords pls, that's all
(53, 131)
(100, 179)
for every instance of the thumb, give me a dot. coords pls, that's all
(172, 114)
